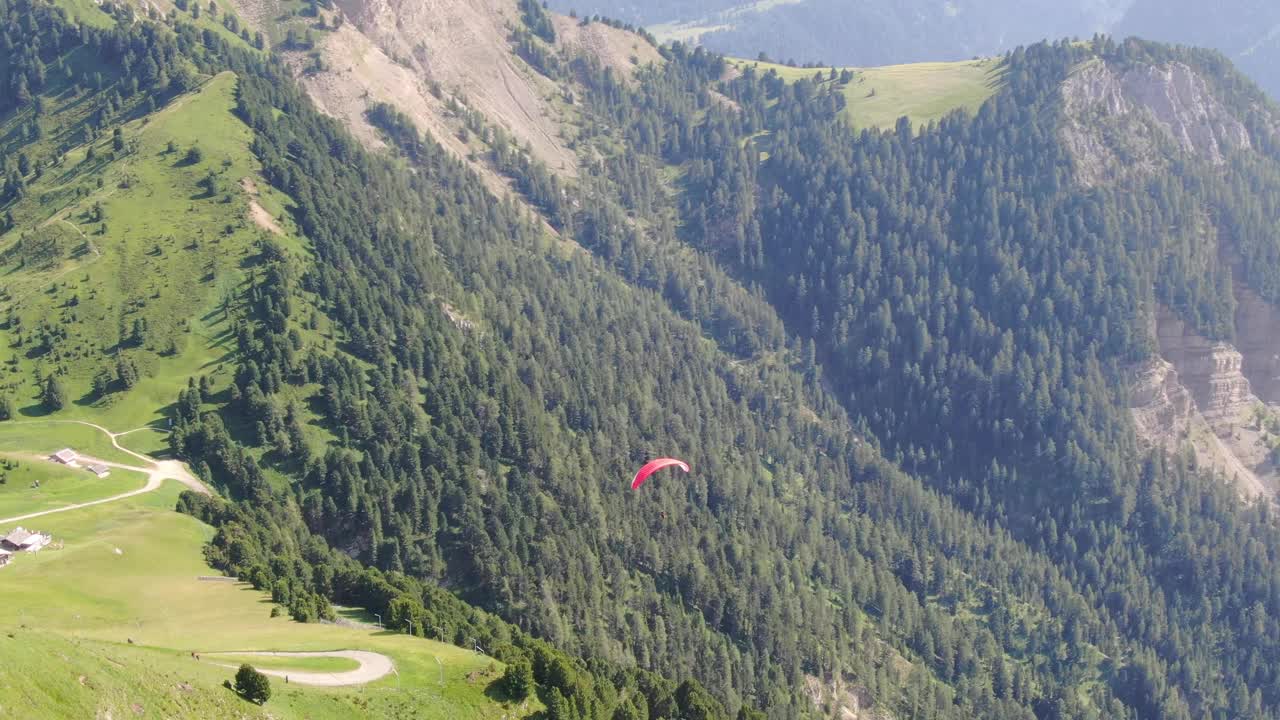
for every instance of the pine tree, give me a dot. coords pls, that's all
(127, 372)
(517, 680)
(102, 383)
(54, 395)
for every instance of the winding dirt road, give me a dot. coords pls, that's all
(157, 471)
(373, 666)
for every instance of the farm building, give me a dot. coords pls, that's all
(22, 539)
(66, 456)
(98, 469)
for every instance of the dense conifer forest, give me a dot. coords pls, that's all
(892, 358)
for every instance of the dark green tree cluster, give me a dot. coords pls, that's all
(433, 487)
(571, 688)
(538, 20)
(974, 309)
(947, 296)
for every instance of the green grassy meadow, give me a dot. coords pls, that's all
(924, 92)
(135, 234)
(144, 561)
(59, 486)
(44, 437)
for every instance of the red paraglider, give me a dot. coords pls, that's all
(654, 466)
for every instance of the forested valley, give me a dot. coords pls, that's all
(893, 359)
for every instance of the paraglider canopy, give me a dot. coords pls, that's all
(654, 466)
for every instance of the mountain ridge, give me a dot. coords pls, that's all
(844, 33)
(893, 358)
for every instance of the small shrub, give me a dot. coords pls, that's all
(252, 685)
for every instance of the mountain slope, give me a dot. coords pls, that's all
(164, 165)
(1246, 32)
(885, 33)
(127, 645)
(875, 33)
(894, 360)
(710, 221)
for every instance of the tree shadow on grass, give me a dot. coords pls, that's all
(37, 410)
(92, 399)
(498, 694)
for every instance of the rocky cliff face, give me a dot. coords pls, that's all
(1197, 393)
(452, 66)
(1119, 124)
(1166, 416)
(1162, 406)
(1186, 110)
(838, 699)
(1258, 338)
(462, 47)
(1131, 124)
(1212, 371)
(441, 61)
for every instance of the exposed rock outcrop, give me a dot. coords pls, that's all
(1212, 371)
(1258, 338)
(1118, 125)
(447, 63)
(462, 46)
(1186, 109)
(618, 49)
(836, 698)
(1197, 395)
(1162, 406)
(1165, 416)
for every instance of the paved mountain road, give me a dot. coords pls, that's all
(373, 666)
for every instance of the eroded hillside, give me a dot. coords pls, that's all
(1124, 127)
(457, 69)
(421, 393)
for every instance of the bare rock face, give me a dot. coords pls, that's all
(1116, 126)
(462, 45)
(837, 698)
(1165, 416)
(1185, 108)
(614, 48)
(1258, 337)
(1162, 406)
(1212, 371)
(1197, 395)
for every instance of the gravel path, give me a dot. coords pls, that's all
(157, 471)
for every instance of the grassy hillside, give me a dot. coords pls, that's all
(141, 217)
(44, 437)
(127, 251)
(489, 456)
(145, 561)
(123, 251)
(59, 486)
(878, 96)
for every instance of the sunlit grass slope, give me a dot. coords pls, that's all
(924, 92)
(129, 571)
(126, 253)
